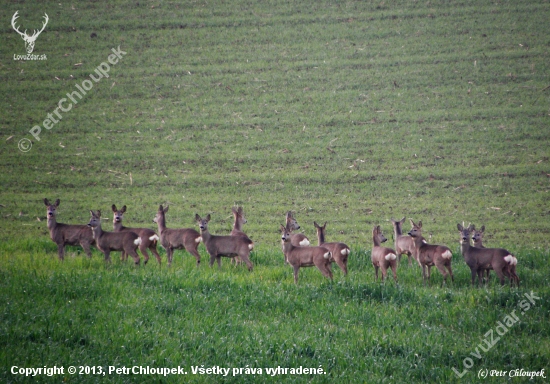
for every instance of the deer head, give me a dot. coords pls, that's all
(29, 40)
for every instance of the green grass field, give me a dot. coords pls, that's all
(345, 112)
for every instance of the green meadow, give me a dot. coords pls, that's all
(350, 112)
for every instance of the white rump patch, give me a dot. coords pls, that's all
(154, 238)
(424, 241)
(345, 252)
(198, 239)
(251, 246)
(511, 260)
(390, 256)
(137, 241)
(304, 243)
(447, 255)
(326, 255)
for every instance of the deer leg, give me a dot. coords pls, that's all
(192, 247)
(107, 254)
(219, 260)
(394, 271)
(424, 274)
(441, 268)
(135, 256)
(212, 259)
(143, 249)
(169, 252)
(342, 264)
(153, 248)
(409, 257)
(375, 272)
(61, 251)
(86, 248)
(296, 270)
(244, 257)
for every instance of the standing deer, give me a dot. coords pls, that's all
(305, 256)
(239, 221)
(297, 239)
(29, 40)
(477, 241)
(479, 259)
(429, 255)
(404, 245)
(126, 242)
(339, 251)
(226, 246)
(382, 257)
(65, 234)
(148, 237)
(183, 238)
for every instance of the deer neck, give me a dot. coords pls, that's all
(117, 226)
(205, 234)
(397, 230)
(52, 223)
(237, 225)
(376, 241)
(97, 232)
(320, 237)
(161, 223)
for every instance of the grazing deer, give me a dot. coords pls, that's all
(227, 246)
(126, 242)
(382, 257)
(148, 237)
(479, 259)
(305, 256)
(182, 238)
(429, 255)
(65, 234)
(239, 221)
(339, 251)
(404, 245)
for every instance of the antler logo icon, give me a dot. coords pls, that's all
(29, 40)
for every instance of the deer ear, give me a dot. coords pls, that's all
(197, 217)
(46, 202)
(92, 212)
(316, 225)
(233, 209)
(98, 213)
(459, 227)
(113, 207)
(482, 228)
(420, 224)
(57, 203)
(412, 222)
(324, 225)
(282, 228)
(160, 208)
(471, 227)
(165, 209)
(123, 209)
(402, 220)
(240, 210)
(207, 217)
(288, 214)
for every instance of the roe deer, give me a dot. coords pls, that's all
(305, 256)
(477, 241)
(404, 245)
(148, 237)
(239, 221)
(297, 239)
(339, 251)
(382, 257)
(65, 234)
(429, 255)
(227, 246)
(479, 259)
(183, 238)
(113, 241)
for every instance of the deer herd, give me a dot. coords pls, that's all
(296, 247)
